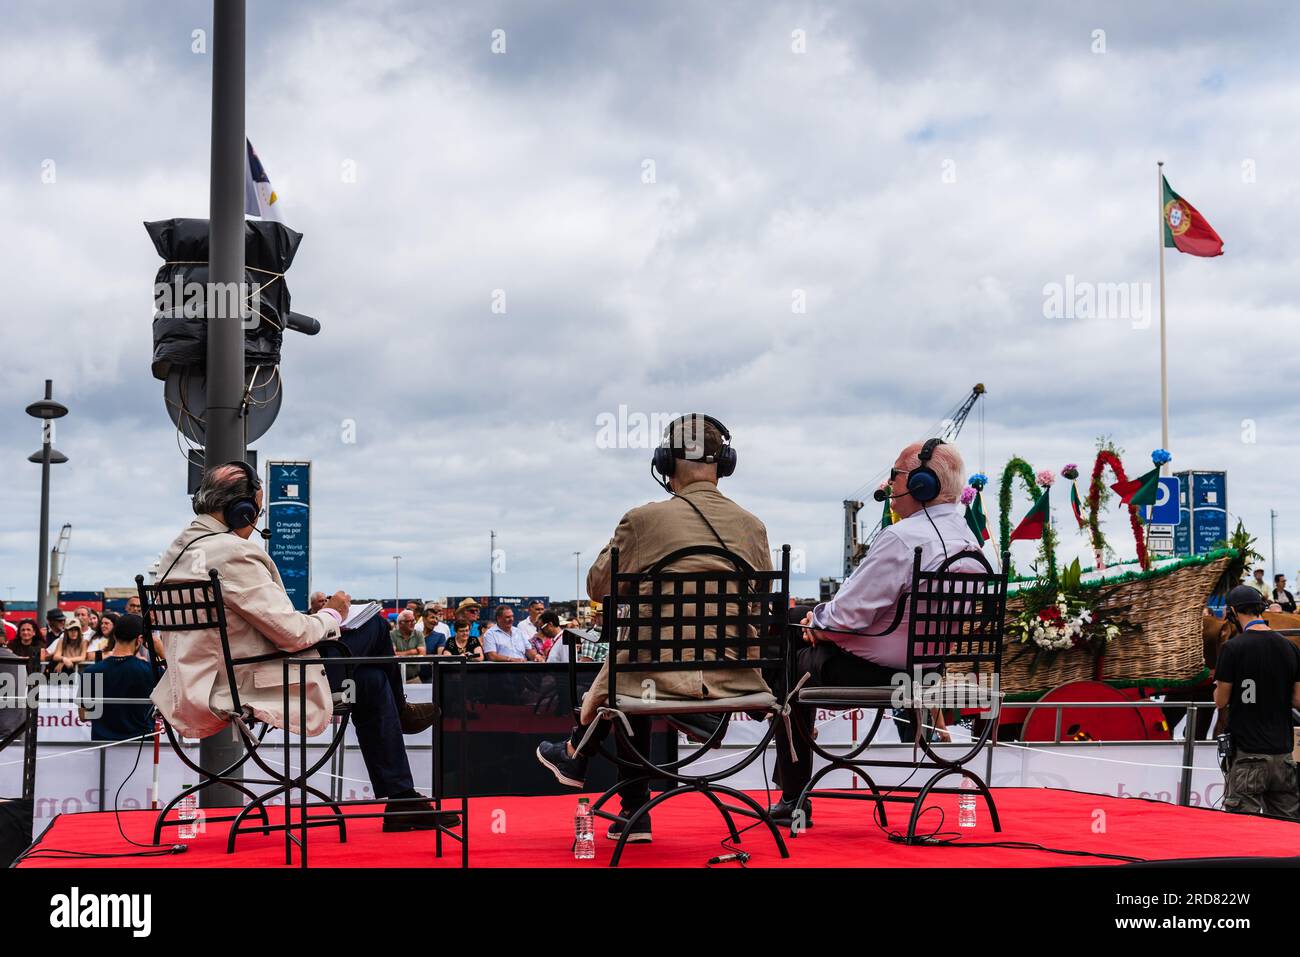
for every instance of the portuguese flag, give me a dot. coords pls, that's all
(1141, 490)
(1076, 505)
(975, 519)
(1034, 523)
(1185, 229)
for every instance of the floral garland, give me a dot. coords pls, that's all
(1019, 467)
(1097, 491)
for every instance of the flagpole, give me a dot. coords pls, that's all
(1164, 366)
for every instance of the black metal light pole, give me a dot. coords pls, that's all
(47, 410)
(224, 430)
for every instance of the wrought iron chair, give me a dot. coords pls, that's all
(660, 620)
(190, 606)
(956, 621)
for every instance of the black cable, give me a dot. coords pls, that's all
(152, 850)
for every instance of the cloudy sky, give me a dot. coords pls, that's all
(822, 223)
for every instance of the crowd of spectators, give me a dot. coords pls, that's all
(433, 629)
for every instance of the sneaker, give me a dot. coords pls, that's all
(640, 833)
(554, 756)
(416, 817)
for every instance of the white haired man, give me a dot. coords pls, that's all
(194, 695)
(842, 655)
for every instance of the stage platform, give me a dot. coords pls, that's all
(536, 832)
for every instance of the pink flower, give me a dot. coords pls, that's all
(1046, 478)
(968, 495)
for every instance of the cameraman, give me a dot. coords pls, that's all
(1258, 680)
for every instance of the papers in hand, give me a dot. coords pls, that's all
(360, 614)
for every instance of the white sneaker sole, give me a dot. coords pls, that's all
(559, 775)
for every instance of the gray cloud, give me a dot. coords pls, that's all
(775, 172)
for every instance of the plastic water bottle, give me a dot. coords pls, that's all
(188, 812)
(966, 803)
(584, 835)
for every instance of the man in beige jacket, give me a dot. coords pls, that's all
(194, 694)
(697, 514)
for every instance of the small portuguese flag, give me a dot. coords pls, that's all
(1076, 505)
(1141, 490)
(1185, 229)
(975, 519)
(1035, 522)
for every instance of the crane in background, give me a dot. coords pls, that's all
(58, 559)
(948, 428)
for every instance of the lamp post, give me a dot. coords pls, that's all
(577, 589)
(397, 584)
(47, 410)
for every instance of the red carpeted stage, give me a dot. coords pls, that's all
(537, 831)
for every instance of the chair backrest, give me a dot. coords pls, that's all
(727, 615)
(186, 606)
(957, 617)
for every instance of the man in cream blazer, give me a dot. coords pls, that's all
(194, 694)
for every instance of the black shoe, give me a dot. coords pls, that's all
(415, 718)
(782, 813)
(554, 756)
(640, 833)
(698, 727)
(415, 817)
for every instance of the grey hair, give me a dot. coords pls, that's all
(222, 485)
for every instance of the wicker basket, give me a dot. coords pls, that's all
(1168, 650)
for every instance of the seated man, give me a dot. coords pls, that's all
(193, 694)
(697, 514)
(867, 602)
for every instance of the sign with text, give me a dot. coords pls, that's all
(288, 516)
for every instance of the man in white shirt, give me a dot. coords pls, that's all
(528, 627)
(838, 651)
(504, 642)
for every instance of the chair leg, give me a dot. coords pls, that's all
(259, 804)
(759, 810)
(929, 785)
(854, 769)
(638, 814)
(722, 809)
(208, 781)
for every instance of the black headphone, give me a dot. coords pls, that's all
(668, 452)
(922, 482)
(243, 511)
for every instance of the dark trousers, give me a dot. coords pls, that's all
(829, 666)
(631, 794)
(378, 694)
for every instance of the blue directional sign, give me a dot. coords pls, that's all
(288, 516)
(1166, 509)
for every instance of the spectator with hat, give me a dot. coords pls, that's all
(1260, 585)
(70, 649)
(472, 610)
(54, 621)
(1257, 678)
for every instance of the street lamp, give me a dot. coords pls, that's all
(577, 590)
(47, 410)
(397, 584)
